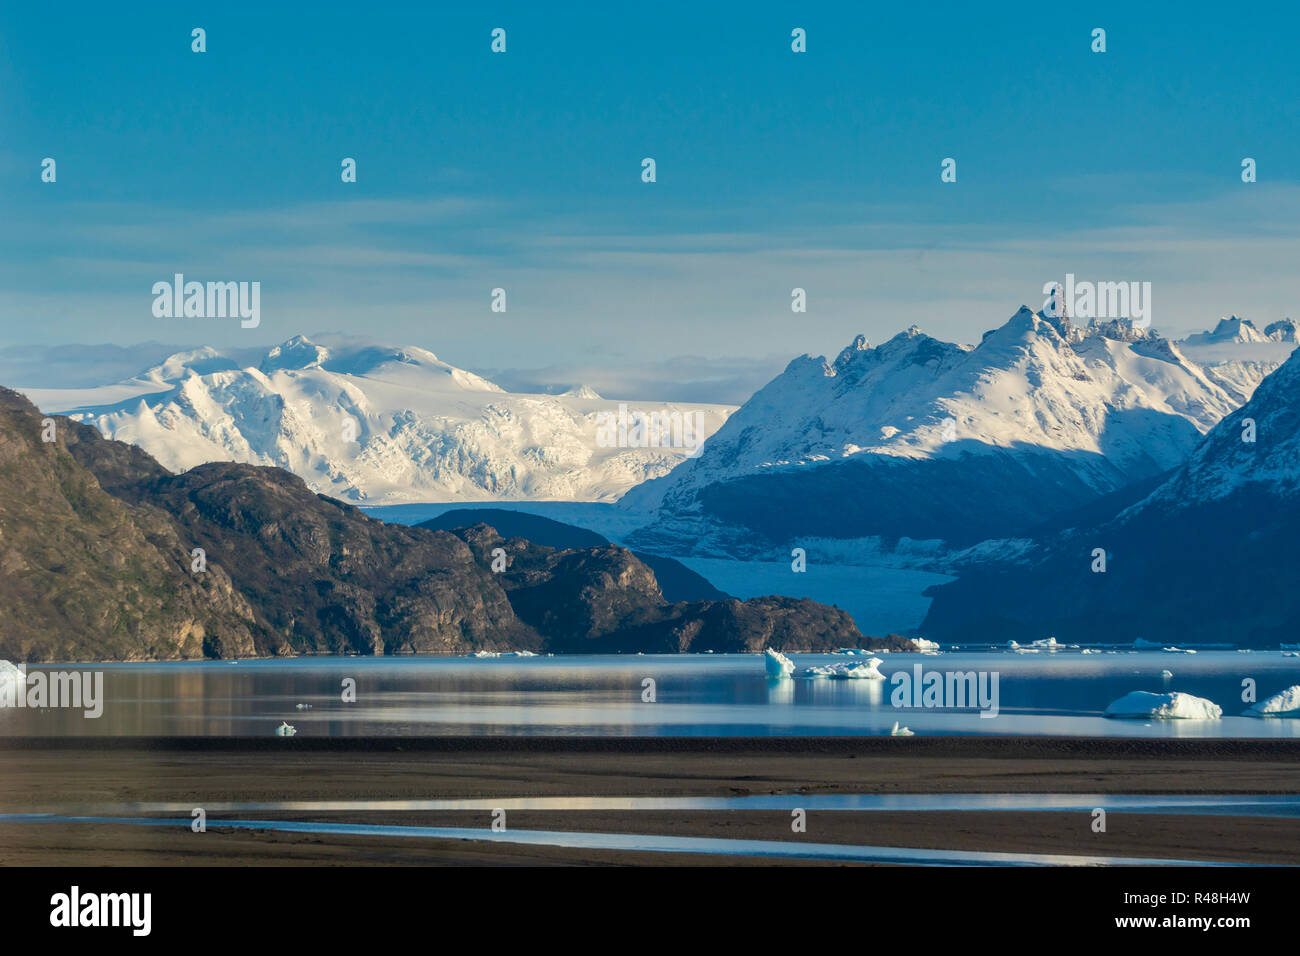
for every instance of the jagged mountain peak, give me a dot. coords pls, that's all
(1283, 330)
(1229, 329)
(1051, 419)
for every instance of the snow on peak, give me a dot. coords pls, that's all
(298, 352)
(1230, 328)
(1284, 330)
(1118, 407)
(181, 364)
(1258, 444)
(381, 424)
(582, 391)
(850, 352)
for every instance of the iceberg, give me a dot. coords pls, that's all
(1166, 674)
(284, 730)
(900, 731)
(1285, 704)
(1171, 706)
(924, 646)
(867, 670)
(778, 665)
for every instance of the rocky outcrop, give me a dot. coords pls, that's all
(106, 555)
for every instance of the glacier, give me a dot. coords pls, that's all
(380, 425)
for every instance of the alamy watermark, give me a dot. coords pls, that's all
(630, 428)
(211, 300)
(41, 689)
(946, 689)
(1099, 300)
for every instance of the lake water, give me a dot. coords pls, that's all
(1062, 693)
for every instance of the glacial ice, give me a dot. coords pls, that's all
(778, 665)
(1166, 674)
(284, 730)
(900, 731)
(867, 670)
(1285, 704)
(1174, 705)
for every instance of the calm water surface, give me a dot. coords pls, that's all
(1062, 693)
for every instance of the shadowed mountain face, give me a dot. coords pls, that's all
(1208, 556)
(929, 440)
(676, 580)
(603, 600)
(97, 562)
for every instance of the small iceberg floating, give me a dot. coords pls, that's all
(302, 706)
(1172, 706)
(1166, 673)
(924, 646)
(867, 670)
(284, 730)
(1285, 704)
(900, 731)
(778, 665)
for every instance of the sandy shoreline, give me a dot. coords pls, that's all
(62, 774)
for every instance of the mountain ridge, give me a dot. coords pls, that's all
(1206, 556)
(924, 439)
(380, 424)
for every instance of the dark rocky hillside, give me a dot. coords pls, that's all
(96, 541)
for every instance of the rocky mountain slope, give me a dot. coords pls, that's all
(97, 561)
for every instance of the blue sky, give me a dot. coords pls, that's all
(522, 171)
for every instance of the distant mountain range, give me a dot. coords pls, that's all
(928, 440)
(1207, 556)
(385, 425)
(107, 555)
(1234, 329)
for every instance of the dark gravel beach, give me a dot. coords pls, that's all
(66, 775)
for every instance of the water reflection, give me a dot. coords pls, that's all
(1058, 694)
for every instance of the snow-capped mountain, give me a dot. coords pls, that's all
(384, 425)
(1207, 556)
(923, 439)
(1230, 328)
(1237, 356)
